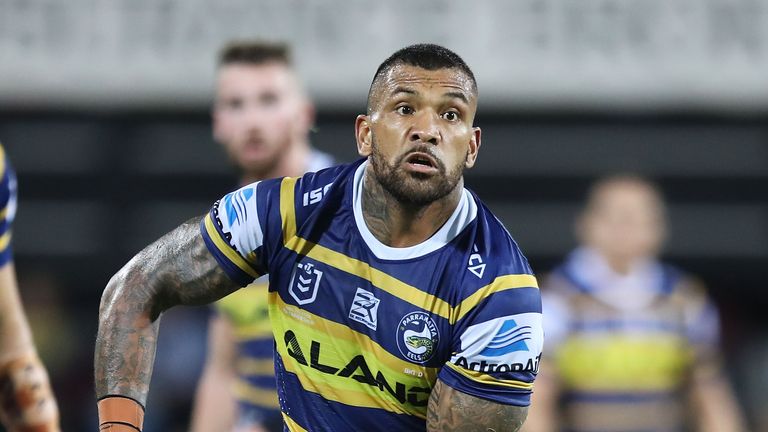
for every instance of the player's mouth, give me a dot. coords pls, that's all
(422, 163)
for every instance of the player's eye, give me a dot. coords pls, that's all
(233, 104)
(451, 116)
(404, 110)
(268, 99)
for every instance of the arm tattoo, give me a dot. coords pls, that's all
(177, 269)
(450, 410)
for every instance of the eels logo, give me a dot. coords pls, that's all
(417, 337)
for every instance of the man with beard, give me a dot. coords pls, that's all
(398, 301)
(262, 118)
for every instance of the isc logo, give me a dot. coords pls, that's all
(315, 195)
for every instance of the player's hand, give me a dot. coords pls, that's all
(26, 401)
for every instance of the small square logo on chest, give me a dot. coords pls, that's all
(364, 308)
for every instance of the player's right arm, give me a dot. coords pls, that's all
(176, 269)
(215, 405)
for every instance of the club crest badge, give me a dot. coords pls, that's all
(417, 337)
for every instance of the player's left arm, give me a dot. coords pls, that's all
(710, 393)
(451, 410)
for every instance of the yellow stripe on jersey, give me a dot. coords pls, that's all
(249, 366)
(287, 209)
(377, 277)
(487, 379)
(292, 425)
(3, 213)
(350, 351)
(4, 240)
(635, 362)
(226, 249)
(501, 283)
(256, 396)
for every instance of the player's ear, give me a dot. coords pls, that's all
(363, 135)
(473, 148)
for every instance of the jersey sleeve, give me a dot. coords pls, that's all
(234, 229)
(498, 339)
(7, 208)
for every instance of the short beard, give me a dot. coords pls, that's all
(412, 189)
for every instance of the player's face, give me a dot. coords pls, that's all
(258, 113)
(625, 221)
(419, 135)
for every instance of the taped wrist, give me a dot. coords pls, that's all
(120, 414)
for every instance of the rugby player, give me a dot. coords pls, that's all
(262, 118)
(631, 339)
(397, 300)
(26, 401)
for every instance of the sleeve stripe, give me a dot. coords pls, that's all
(501, 283)
(226, 249)
(287, 207)
(489, 380)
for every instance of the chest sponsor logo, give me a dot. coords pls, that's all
(304, 283)
(509, 338)
(356, 368)
(364, 308)
(417, 337)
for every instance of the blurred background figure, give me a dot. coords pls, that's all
(26, 401)
(262, 118)
(632, 343)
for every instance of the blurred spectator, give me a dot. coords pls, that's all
(632, 343)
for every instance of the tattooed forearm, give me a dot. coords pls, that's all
(177, 269)
(450, 410)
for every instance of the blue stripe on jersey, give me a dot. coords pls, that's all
(513, 301)
(257, 348)
(335, 416)
(505, 395)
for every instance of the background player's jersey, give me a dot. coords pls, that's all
(364, 330)
(7, 207)
(623, 347)
(247, 312)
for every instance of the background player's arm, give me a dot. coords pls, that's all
(544, 415)
(714, 404)
(450, 410)
(26, 399)
(177, 269)
(215, 405)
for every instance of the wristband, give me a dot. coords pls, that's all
(120, 414)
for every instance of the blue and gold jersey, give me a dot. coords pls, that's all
(363, 330)
(624, 346)
(7, 207)
(247, 312)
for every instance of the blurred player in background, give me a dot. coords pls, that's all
(632, 342)
(262, 117)
(26, 401)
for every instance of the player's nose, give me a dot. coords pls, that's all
(425, 128)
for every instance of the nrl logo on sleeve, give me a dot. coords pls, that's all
(304, 283)
(364, 308)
